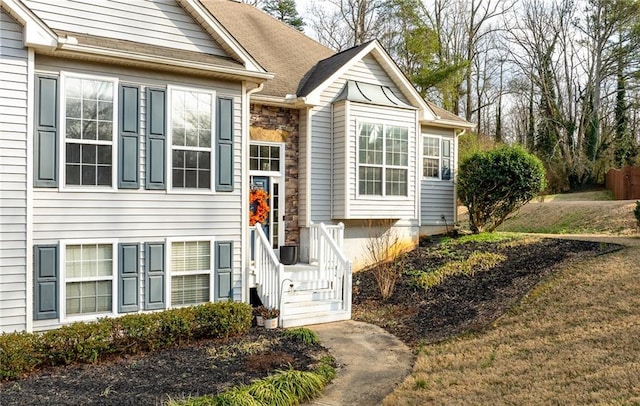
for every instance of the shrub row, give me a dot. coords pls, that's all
(21, 353)
(285, 388)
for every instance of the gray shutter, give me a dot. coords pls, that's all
(224, 145)
(128, 278)
(46, 136)
(154, 283)
(223, 270)
(128, 129)
(156, 139)
(45, 267)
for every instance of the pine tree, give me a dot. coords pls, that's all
(285, 11)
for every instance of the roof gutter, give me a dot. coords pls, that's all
(289, 101)
(68, 44)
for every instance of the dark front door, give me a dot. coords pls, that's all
(262, 182)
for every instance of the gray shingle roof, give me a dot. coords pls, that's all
(276, 46)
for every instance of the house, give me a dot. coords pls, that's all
(131, 135)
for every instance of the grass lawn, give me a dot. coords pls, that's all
(573, 340)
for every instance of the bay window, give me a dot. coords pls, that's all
(383, 160)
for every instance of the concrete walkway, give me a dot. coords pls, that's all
(371, 363)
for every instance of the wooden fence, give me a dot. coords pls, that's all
(624, 183)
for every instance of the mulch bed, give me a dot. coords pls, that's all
(151, 379)
(462, 304)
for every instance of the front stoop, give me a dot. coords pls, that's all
(308, 298)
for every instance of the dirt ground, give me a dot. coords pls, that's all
(462, 304)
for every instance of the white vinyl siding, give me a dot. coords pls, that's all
(161, 23)
(140, 215)
(325, 169)
(437, 197)
(14, 252)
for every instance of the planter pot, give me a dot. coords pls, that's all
(288, 254)
(260, 321)
(271, 323)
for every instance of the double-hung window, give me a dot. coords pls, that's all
(89, 270)
(383, 160)
(89, 125)
(191, 138)
(190, 272)
(437, 158)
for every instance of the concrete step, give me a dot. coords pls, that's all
(313, 318)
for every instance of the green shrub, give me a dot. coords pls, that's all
(88, 342)
(496, 183)
(20, 353)
(302, 334)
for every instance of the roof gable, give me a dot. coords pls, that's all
(331, 69)
(36, 32)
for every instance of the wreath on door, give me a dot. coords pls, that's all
(258, 206)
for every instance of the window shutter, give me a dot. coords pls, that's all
(128, 278)
(45, 296)
(46, 136)
(224, 145)
(223, 270)
(154, 276)
(128, 129)
(156, 139)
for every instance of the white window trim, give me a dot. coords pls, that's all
(281, 170)
(169, 272)
(63, 136)
(423, 156)
(384, 166)
(64, 318)
(169, 149)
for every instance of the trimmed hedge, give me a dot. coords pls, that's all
(86, 342)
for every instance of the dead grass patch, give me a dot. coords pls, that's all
(573, 340)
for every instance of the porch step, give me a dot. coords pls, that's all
(311, 306)
(307, 319)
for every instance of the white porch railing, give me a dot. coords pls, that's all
(268, 270)
(333, 264)
(336, 232)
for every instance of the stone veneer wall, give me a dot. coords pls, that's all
(278, 124)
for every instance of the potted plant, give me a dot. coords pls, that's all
(257, 311)
(270, 316)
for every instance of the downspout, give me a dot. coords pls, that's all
(244, 192)
(455, 174)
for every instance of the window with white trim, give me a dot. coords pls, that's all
(89, 270)
(89, 125)
(437, 158)
(265, 157)
(190, 272)
(383, 160)
(191, 138)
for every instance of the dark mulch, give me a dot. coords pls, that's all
(462, 304)
(205, 367)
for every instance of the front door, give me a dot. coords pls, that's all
(267, 172)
